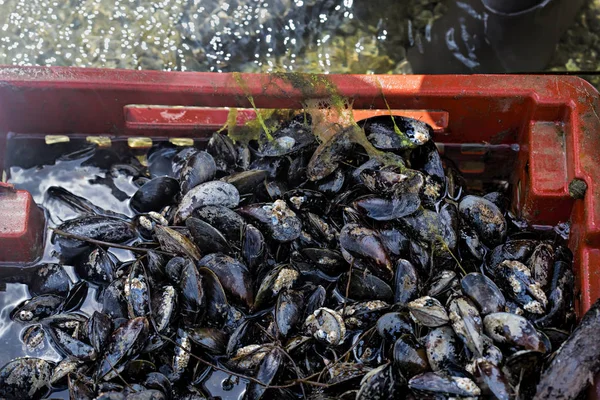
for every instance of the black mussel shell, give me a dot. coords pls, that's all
(233, 275)
(98, 267)
(207, 238)
(37, 308)
(227, 221)
(199, 168)
(126, 342)
(76, 296)
(382, 209)
(254, 246)
(365, 244)
(484, 293)
(191, 294)
(247, 182)
(325, 160)
(288, 311)
(49, 279)
(396, 133)
(485, 217)
(406, 282)
(393, 325)
(365, 286)
(99, 328)
(155, 194)
(211, 340)
(409, 356)
(25, 378)
(278, 220)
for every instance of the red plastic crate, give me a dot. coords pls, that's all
(554, 121)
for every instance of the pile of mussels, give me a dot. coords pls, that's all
(307, 270)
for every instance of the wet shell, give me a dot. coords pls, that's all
(199, 168)
(25, 378)
(278, 220)
(484, 293)
(485, 217)
(327, 326)
(442, 348)
(364, 243)
(514, 330)
(155, 194)
(428, 311)
(213, 193)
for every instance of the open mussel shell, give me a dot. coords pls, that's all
(25, 378)
(155, 194)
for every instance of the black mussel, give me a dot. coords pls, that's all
(426, 158)
(70, 346)
(99, 328)
(275, 190)
(227, 221)
(288, 311)
(199, 168)
(396, 132)
(467, 324)
(277, 279)
(192, 295)
(365, 286)
(175, 242)
(244, 155)
(428, 311)
(513, 250)
(428, 226)
(49, 279)
(522, 369)
(63, 369)
(106, 229)
(365, 244)
(266, 373)
(247, 182)
(442, 283)
(25, 378)
(155, 194)
(212, 193)
(37, 308)
(406, 282)
(385, 181)
(278, 220)
(394, 240)
(217, 305)
(173, 269)
(98, 267)
(409, 356)
(384, 382)
(321, 228)
(494, 379)
(291, 137)
(253, 246)
(470, 245)
(276, 168)
(515, 278)
(249, 357)
(332, 184)
(146, 223)
(344, 374)
(113, 301)
(181, 158)
(76, 296)
(442, 348)
(382, 209)
(301, 200)
(484, 293)
(364, 314)
(158, 381)
(541, 263)
(126, 342)
(78, 203)
(155, 264)
(393, 325)
(315, 301)
(160, 158)
(498, 199)
(329, 261)
(326, 158)
(326, 325)
(137, 292)
(164, 307)
(514, 330)
(212, 340)
(485, 218)
(147, 394)
(182, 356)
(233, 275)
(438, 384)
(80, 388)
(207, 238)
(223, 151)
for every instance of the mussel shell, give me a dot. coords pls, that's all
(113, 301)
(217, 304)
(393, 325)
(37, 308)
(276, 218)
(65, 367)
(293, 136)
(513, 250)
(442, 347)
(211, 340)
(382, 209)
(327, 326)
(174, 242)
(442, 283)
(207, 238)
(192, 295)
(523, 367)
(485, 217)
(383, 382)
(406, 282)
(467, 323)
(160, 158)
(253, 246)
(325, 160)
(321, 228)
(329, 261)
(515, 278)
(164, 307)
(332, 184)
(137, 292)
(247, 182)
(233, 275)
(364, 243)
(25, 378)
(429, 226)
(276, 168)
(288, 311)
(158, 381)
(126, 342)
(305, 200)
(409, 356)
(363, 315)
(277, 279)
(396, 133)
(99, 328)
(200, 167)
(541, 264)
(223, 151)
(494, 379)
(227, 221)
(484, 293)
(155, 194)
(428, 311)
(98, 267)
(394, 240)
(315, 300)
(365, 286)
(173, 269)
(436, 383)
(266, 374)
(212, 193)
(103, 228)
(49, 279)
(70, 346)
(514, 330)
